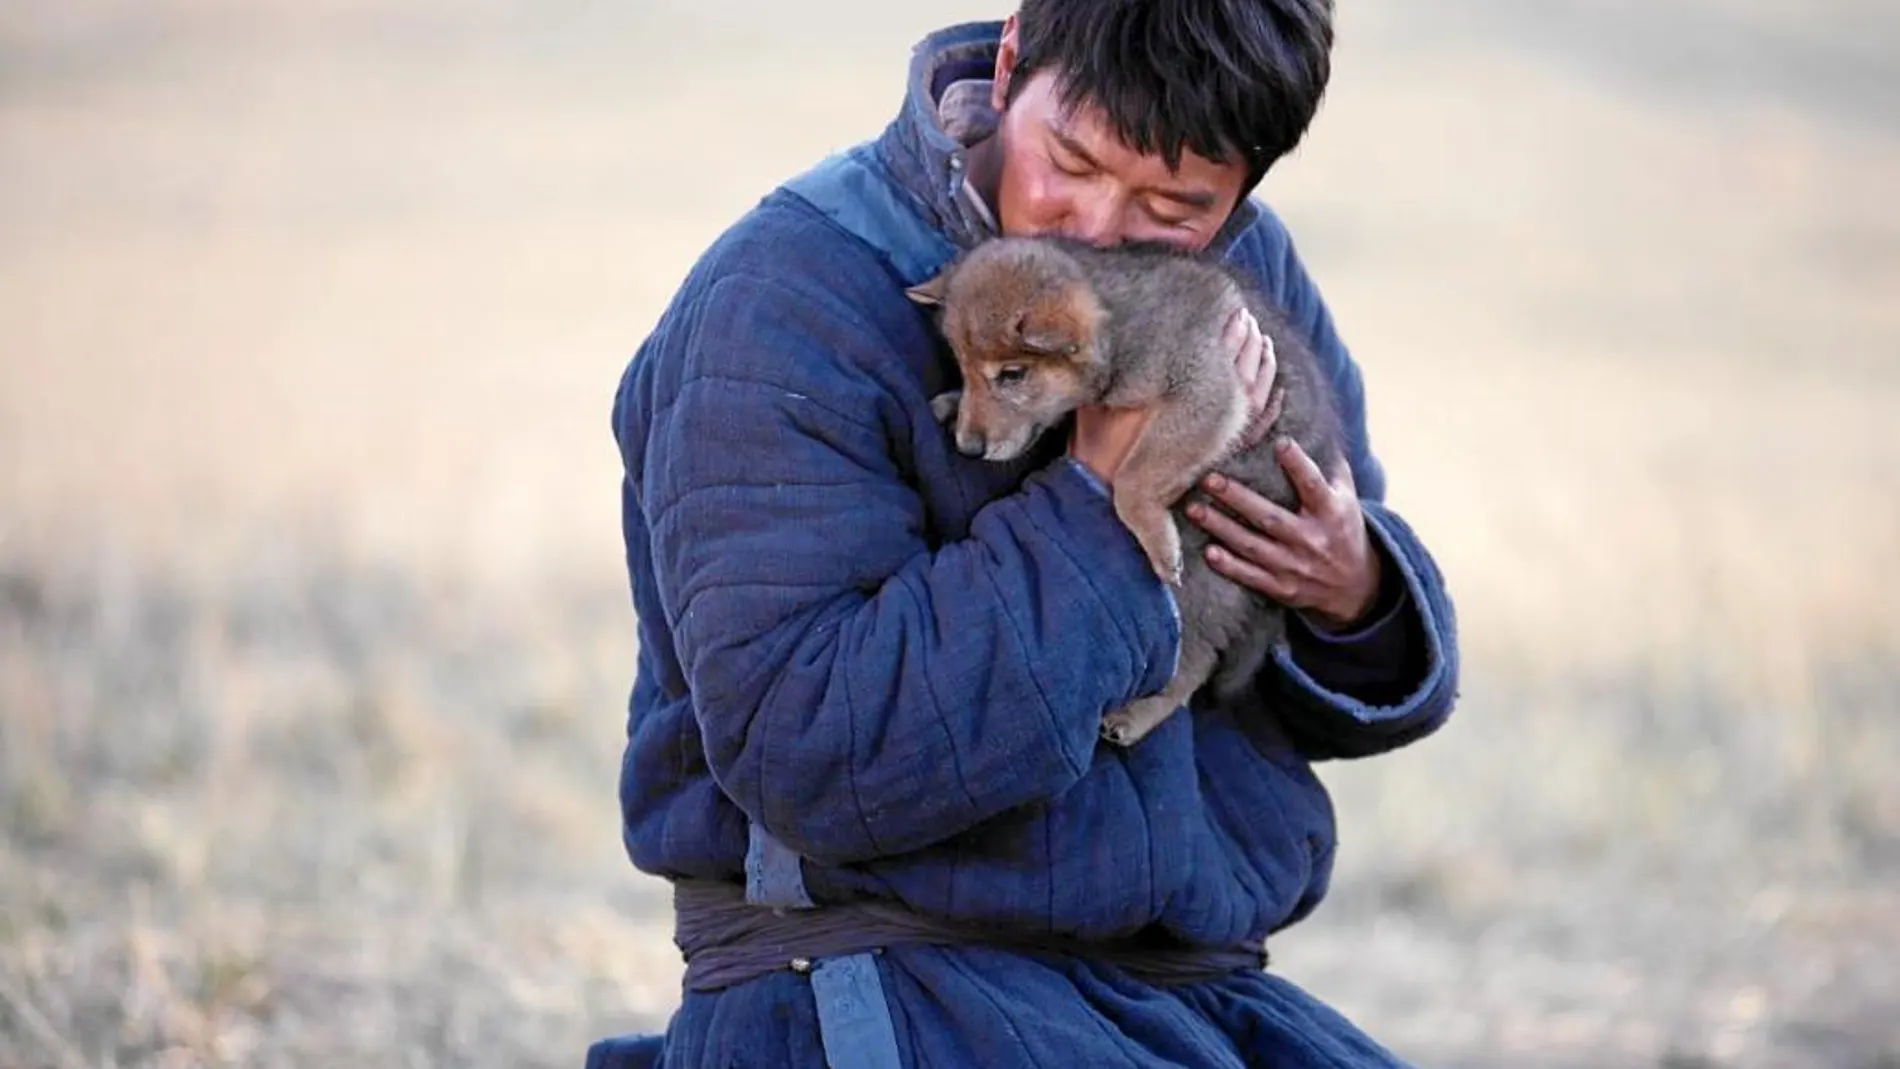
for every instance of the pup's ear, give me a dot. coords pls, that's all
(1061, 322)
(1053, 331)
(1047, 339)
(930, 292)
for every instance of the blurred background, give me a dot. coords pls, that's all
(314, 639)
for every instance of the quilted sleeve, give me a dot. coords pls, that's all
(861, 692)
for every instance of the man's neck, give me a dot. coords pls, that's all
(984, 159)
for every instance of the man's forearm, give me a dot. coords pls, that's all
(1386, 686)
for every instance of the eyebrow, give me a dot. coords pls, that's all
(1192, 198)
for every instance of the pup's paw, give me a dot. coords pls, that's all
(1132, 723)
(1163, 545)
(1168, 568)
(944, 406)
(1154, 531)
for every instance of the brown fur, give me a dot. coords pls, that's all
(1042, 326)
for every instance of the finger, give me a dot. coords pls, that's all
(1264, 383)
(1276, 404)
(1247, 349)
(1261, 392)
(1256, 352)
(1248, 544)
(1234, 332)
(1258, 512)
(1316, 496)
(1253, 577)
(1263, 421)
(1340, 475)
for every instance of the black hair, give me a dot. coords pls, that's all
(1224, 79)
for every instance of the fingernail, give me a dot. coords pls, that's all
(1215, 483)
(1197, 512)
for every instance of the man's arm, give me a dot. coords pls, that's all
(1386, 686)
(859, 693)
(1372, 684)
(1376, 659)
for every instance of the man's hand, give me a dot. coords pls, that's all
(1105, 436)
(1319, 559)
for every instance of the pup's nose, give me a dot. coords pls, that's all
(971, 445)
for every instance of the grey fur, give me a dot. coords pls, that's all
(1139, 327)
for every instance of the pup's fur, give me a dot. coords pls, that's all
(1042, 326)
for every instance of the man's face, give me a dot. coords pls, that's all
(1065, 172)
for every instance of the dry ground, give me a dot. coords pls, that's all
(313, 640)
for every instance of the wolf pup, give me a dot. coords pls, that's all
(1042, 326)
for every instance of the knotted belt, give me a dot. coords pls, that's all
(727, 940)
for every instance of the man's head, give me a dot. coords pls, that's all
(1149, 119)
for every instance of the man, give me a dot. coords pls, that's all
(863, 737)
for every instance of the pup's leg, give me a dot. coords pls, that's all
(1153, 526)
(1131, 723)
(1165, 462)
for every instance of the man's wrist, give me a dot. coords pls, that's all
(1096, 482)
(1082, 461)
(1375, 594)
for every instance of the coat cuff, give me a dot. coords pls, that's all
(1410, 698)
(1379, 661)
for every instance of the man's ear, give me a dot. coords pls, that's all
(930, 292)
(1005, 65)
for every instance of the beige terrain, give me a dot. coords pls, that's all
(314, 639)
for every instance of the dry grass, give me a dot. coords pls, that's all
(313, 638)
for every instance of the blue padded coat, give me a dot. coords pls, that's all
(870, 667)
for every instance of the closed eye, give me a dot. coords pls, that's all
(1170, 219)
(1011, 376)
(1070, 162)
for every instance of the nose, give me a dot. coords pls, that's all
(1095, 220)
(971, 445)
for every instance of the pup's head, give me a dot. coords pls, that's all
(1026, 328)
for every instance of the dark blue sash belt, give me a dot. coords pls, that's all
(727, 940)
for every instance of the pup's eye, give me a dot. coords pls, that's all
(1010, 376)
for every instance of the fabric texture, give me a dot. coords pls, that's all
(870, 667)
